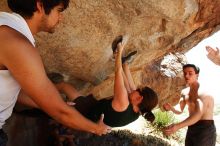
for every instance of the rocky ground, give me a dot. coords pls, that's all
(134, 134)
(120, 138)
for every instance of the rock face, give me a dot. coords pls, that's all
(81, 46)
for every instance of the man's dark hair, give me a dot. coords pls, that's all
(196, 68)
(26, 8)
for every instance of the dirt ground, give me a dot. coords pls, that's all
(118, 138)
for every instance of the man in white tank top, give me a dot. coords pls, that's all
(21, 65)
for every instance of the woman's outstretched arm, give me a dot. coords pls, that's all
(120, 100)
(129, 77)
(126, 83)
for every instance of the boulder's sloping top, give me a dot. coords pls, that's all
(81, 47)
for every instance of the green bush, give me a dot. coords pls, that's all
(163, 119)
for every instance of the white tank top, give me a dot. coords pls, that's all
(9, 88)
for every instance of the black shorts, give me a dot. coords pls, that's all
(202, 133)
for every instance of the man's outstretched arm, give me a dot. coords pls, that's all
(192, 119)
(25, 64)
(169, 107)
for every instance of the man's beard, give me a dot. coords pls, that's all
(45, 27)
(51, 30)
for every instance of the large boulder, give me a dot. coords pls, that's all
(81, 50)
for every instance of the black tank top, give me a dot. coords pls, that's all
(112, 117)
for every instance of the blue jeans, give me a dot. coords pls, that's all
(3, 138)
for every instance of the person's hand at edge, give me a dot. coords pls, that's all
(213, 55)
(102, 128)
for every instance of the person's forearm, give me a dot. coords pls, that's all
(73, 119)
(119, 81)
(118, 64)
(175, 111)
(129, 77)
(26, 100)
(189, 121)
(126, 83)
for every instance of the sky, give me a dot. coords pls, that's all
(209, 72)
